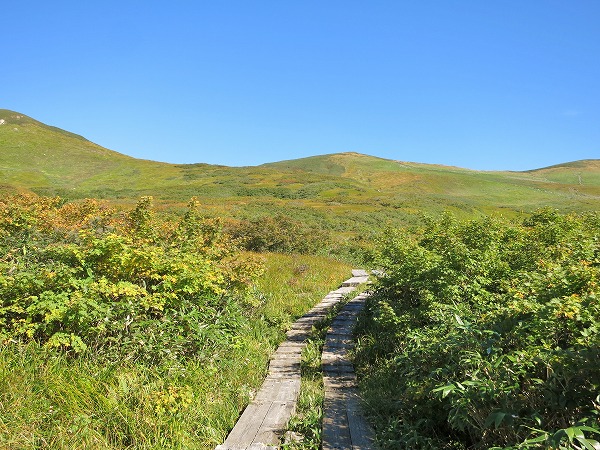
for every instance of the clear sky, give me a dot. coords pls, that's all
(487, 85)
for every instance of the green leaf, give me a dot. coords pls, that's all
(495, 418)
(536, 440)
(577, 432)
(445, 389)
(589, 444)
(560, 434)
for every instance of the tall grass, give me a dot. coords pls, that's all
(50, 401)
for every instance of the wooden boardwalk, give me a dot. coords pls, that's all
(264, 420)
(344, 426)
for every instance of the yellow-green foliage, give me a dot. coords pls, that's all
(84, 278)
(292, 284)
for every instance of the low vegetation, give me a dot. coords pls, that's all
(125, 329)
(484, 334)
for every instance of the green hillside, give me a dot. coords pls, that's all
(50, 161)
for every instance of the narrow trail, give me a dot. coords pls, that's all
(264, 420)
(344, 426)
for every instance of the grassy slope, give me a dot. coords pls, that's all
(350, 186)
(433, 187)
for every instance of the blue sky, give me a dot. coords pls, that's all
(488, 85)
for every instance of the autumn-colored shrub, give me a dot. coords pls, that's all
(84, 277)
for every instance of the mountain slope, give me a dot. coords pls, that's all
(35, 154)
(51, 161)
(570, 183)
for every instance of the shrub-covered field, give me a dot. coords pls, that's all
(484, 334)
(127, 286)
(126, 329)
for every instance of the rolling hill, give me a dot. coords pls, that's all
(46, 160)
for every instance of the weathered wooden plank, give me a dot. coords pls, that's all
(333, 363)
(344, 321)
(290, 347)
(287, 354)
(275, 422)
(346, 290)
(261, 446)
(342, 330)
(355, 307)
(344, 325)
(361, 433)
(359, 273)
(284, 364)
(336, 433)
(344, 427)
(339, 381)
(336, 370)
(335, 341)
(319, 313)
(247, 426)
(331, 356)
(277, 373)
(262, 423)
(306, 320)
(297, 335)
(277, 389)
(355, 281)
(337, 348)
(346, 317)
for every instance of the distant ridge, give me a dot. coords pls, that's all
(46, 160)
(588, 164)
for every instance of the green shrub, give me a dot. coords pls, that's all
(279, 234)
(484, 334)
(53, 398)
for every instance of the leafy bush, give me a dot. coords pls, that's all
(83, 277)
(279, 234)
(485, 334)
